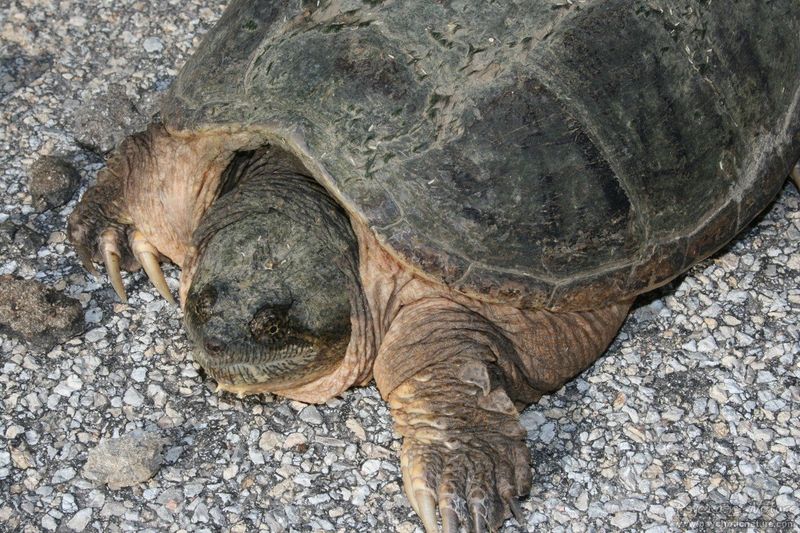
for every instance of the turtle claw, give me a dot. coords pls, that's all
(795, 174)
(147, 255)
(111, 248)
(450, 522)
(427, 510)
(85, 257)
(516, 511)
(110, 252)
(472, 483)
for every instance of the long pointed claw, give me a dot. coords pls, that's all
(86, 259)
(406, 470)
(795, 174)
(427, 510)
(479, 522)
(147, 256)
(516, 511)
(111, 260)
(450, 520)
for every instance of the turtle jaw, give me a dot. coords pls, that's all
(254, 367)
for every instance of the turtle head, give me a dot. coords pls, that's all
(268, 307)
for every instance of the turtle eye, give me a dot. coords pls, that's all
(269, 324)
(203, 302)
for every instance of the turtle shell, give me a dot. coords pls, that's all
(546, 154)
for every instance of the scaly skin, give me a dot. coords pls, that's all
(455, 374)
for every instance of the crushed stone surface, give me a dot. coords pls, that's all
(690, 422)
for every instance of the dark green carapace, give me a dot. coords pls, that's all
(539, 153)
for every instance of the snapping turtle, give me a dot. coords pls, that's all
(459, 199)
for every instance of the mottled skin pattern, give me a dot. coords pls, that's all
(458, 199)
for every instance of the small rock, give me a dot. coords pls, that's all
(125, 461)
(370, 466)
(295, 439)
(21, 458)
(80, 520)
(547, 432)
(582, 501)
(53, 181)
(93, 315)
(49, 523)
(624, 520)
(303, 479)
(63, 474)
(153, 44)
(96, 334)
(311, 415)
(200, 513)
(353, 425)
(68, 386)
(635, 433)
(230, 472)
(747, 468)
(707, 345)
(42, 316)
(269, 441)
(132, 397)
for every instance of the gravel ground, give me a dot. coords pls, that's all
(690, 422)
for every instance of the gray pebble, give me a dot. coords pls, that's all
(133, 397)
(62, 475)
(125, 461)
(80, 520)
(624, 520)
(71, 384)
(96, 334)
(153, 44)
(311, 415)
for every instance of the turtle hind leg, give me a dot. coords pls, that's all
(455, 377)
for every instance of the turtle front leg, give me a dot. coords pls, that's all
(146, 204)
(102, 227)
(464, 449)
(455, 376)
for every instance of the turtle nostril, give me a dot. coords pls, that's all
(213, 347)
(269, 323)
